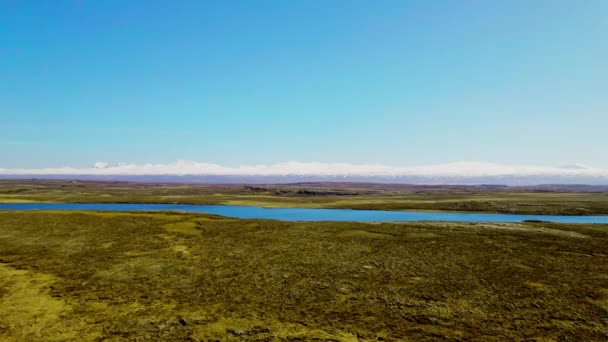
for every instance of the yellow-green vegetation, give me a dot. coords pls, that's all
(173, 276)
(353, 196)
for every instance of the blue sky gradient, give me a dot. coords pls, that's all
(243, 82)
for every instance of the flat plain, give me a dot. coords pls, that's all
(149, 276)
(549, 200)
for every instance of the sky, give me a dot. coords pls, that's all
(399, 83)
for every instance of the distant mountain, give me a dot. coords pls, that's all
(573, 182)
(464, 173)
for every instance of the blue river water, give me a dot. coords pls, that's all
(306, 214)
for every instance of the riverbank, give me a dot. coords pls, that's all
(328, 195)
(313, 214)
(164, 276)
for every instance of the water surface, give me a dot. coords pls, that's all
(307, 214)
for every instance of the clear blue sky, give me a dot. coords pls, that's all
(230, 82)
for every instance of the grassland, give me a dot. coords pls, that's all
(173, 276)
(354, 196)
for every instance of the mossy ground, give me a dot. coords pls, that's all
(173, 276)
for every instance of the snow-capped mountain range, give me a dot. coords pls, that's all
(289, 172)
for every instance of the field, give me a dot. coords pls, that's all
(532, 200)
(172, 276)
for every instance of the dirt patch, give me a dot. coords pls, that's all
(532, 229)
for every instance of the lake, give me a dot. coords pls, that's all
(307, 214)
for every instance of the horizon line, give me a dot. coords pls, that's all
(294, 168)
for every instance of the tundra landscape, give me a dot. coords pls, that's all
(303, 170)
(144, 276)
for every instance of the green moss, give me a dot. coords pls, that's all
(172, 276)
